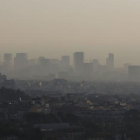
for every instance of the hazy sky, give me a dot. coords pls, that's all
(55, 27)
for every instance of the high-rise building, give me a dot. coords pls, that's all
(54, 66)
(21, 61)
(65, 62)
(7, 61)
(3, 78)
(88, 70)
(78, 62)
(44, 66)
(110, 61)
(126, 65)
(33, 62)
(42, 61)
(134, 73)
(96, 64)
(8, 57)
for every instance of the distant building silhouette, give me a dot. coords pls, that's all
(126, 65)
(54, 66)
(7, 61)
(44, 66)
(134, 73)
(96, 64)
(3, 78)
(65, 62)
(110, 61)
(88, 70)
(78, 62)
(21, 61)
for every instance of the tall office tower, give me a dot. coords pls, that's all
(3, 78)
(33, 66)
(134, 73)
(96, 64)
(88, 70)
(126, 65)
(78, 62)
(65, 62)
(44, 66)
(7, 61)
(21, 61)
(54, 66)
(33, 62)
(110, 61)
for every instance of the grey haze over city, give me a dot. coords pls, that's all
(55, 28)
(69, 69)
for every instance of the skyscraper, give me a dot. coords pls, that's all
(110, 61)
(96, 64)
(8, 57)
(134, 73)
(88, 70)
(7, 61)
(65, 62)
(78, 62)
(44, 66)
(21, 61)
(54, 66)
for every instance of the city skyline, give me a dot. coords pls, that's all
(121, 58)
(87, 58)
(69, 70)
(21, 66)
(54, 28)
